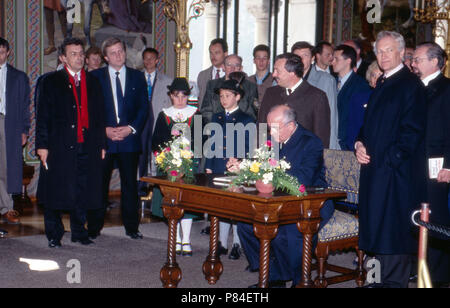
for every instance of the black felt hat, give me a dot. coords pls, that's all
(180, 84)
(231, 85)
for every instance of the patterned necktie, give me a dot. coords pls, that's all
(217, 74)
(339, 85)
(77, 80)
(119, 94)
(289, 91)
(149, 87)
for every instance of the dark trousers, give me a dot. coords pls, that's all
(54, 228)
(285, 249)
(395, 270)
(128, 165)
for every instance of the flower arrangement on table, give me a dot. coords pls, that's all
(176, 158)
(265, 169)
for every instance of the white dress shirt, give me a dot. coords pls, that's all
(395, 70)
(3, 73)
(431, 77)
(214, 72)
(122, 77)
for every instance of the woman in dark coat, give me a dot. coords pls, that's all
(175, 120)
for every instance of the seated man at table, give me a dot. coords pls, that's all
(304, 151)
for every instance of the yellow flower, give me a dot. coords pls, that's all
(255, 167)
(160, 158)
(185, 154)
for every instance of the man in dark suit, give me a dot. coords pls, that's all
(71, 142)
(211, 102)
(304, 151)
(348, 84)
(309, 103)
(427, 62)
(14, 126)
(126, 111)
(361, 64)
(390, 148)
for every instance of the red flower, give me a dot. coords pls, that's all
(167, 149)
(269, 143)
(174, 173)
(302, 188)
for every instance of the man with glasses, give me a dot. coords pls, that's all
(211, 102)
(390, 148)
(427, 62)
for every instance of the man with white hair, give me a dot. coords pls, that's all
(390, 148)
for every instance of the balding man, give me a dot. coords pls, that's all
(304, 151)
(390, 149)
(427, 62)
(211, 102)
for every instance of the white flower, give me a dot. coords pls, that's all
(267, 178)
(177, 162)
(285, 165)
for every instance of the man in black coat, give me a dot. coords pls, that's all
(14, 126)
(71, 143)
(390, 148)
(428, 61)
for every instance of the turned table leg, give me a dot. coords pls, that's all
(212, 267)
(171, 274)
(265, 234)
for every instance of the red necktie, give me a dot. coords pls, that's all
(217, 74)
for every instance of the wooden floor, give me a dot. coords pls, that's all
(32, 220)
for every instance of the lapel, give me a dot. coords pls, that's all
(109, 93)
(9, 86)
(433, 87)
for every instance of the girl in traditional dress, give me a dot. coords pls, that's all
(173, 121)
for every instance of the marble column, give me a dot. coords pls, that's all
(210, 30)
(260, 10)
(302, 21)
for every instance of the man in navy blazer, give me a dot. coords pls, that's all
(14, 126)
(126, 111)
(304, 151)
(349, 83)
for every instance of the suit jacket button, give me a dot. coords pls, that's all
(73, 126)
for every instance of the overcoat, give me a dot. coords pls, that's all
(56, 130)
(438, 145)
(17, 122)
(392, 185)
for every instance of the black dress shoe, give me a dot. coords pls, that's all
(3, 232)
(221, 250)
(93, 236)
(135, 235)
(205, 231)
(374, 286)
(82, 241)
(275, 284)
(235, 253)
(54, 244)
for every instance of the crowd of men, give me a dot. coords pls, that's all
(394, 114)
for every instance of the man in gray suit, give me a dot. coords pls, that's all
(323, 81)
(218, 51)
(157, 84)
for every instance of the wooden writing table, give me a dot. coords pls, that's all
(266, 213)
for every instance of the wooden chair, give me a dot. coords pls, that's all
(341, 231)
